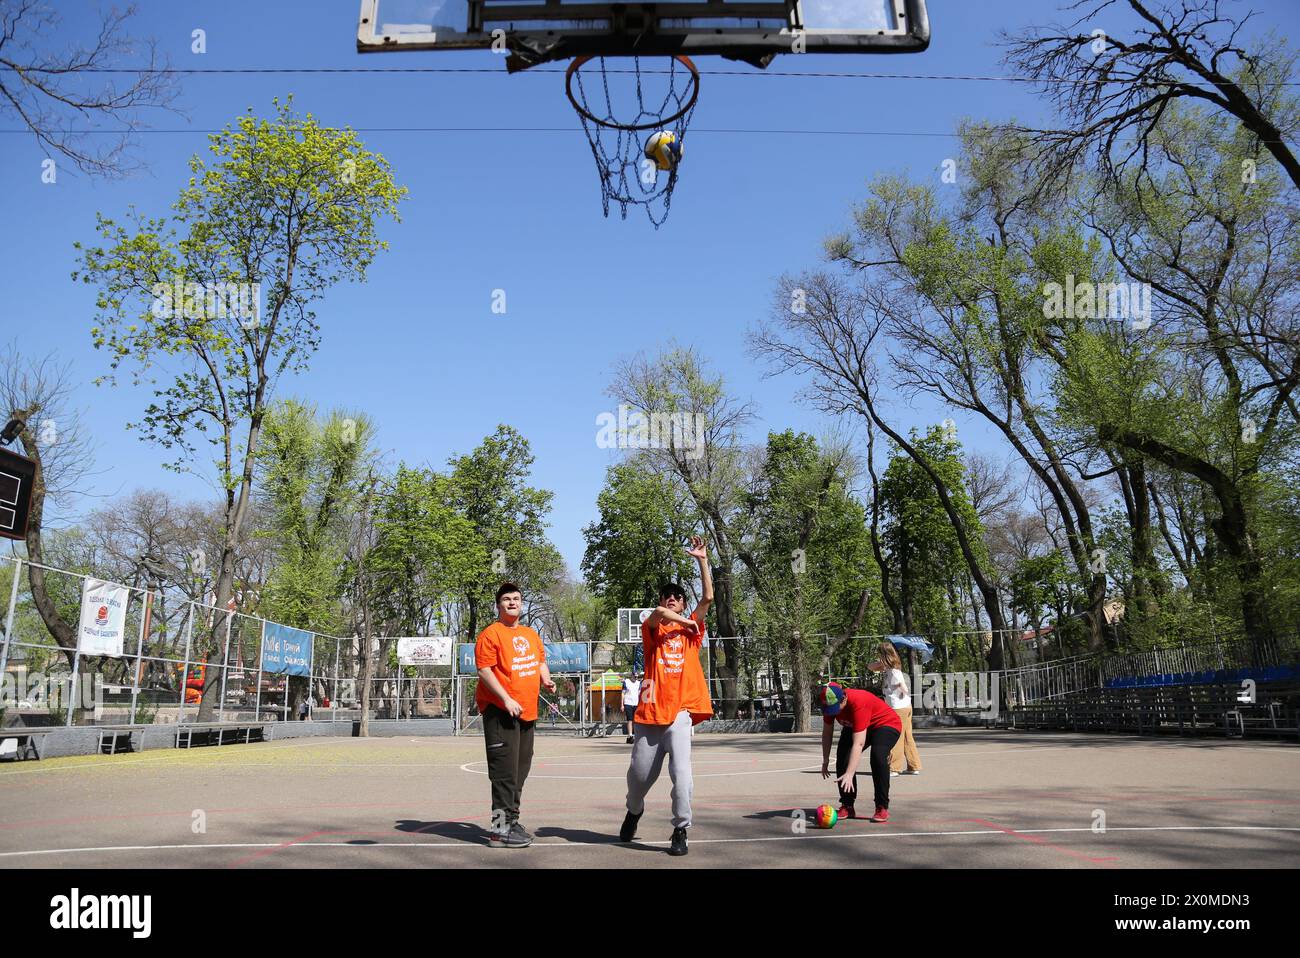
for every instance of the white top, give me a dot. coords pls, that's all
(896, 689)
(631, 692)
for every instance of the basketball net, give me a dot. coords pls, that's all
(627, 177)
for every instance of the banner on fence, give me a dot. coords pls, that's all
(566, 657)
(103, 618)
(424, 650)
(286, 650)
(560, 657)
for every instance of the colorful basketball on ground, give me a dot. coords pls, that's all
(827, 816)
(665, 149)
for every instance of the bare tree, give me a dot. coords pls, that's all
(38, 392)
(836, 337)
(991, 486)
(1111, 91)
(49, 90)
(711, 471)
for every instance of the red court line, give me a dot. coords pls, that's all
(1035, 839)
(417, 803)
(316, 834)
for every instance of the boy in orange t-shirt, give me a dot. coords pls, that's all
(674, 698)
(511, 663)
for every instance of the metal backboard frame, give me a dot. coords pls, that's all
(537, 31)
(629, 625)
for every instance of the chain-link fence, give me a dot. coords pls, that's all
(182, 661)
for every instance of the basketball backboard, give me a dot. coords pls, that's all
(536, 31)
(17, 473)
(629, 624)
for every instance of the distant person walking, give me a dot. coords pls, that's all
(631, 699)
(896, 694)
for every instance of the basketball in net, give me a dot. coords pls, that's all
(635, 120)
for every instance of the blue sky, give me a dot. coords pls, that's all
(418, 346)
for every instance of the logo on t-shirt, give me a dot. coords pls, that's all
(521, 645)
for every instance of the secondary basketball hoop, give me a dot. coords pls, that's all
(633, 172)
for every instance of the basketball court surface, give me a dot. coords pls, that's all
(986, 798)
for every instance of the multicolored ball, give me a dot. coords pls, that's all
(827, 816)
(665, 149)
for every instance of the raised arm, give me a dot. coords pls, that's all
(701, 555)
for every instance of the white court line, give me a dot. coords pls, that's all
(619, 778)
(695, 841)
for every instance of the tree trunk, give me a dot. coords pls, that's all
(63, 632)
(800, 680)
(989, 592)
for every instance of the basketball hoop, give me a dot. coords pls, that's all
(627, 177)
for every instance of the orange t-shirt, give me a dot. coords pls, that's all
(515, 655)
(674, 679)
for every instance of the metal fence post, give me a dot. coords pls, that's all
(257, 699)
(9, 620)
(147, 602)
(76, 663)
(311, 680)
(225, 666)
(185, 673)
(334, 699)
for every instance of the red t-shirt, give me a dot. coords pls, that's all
(864, 711)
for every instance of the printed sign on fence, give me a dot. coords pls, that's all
(566, 657)
(103, 618)
(424, 650)
(560, 657)
(286, 650)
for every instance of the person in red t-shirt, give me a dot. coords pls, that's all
(674, 699)
(868, 721)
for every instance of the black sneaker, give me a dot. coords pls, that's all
(512, 837)
(678, 847)
(628, 831)
(630, 740)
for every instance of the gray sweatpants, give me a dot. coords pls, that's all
(651, 743)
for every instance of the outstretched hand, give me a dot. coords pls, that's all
(697, 550)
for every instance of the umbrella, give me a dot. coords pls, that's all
(914, 642)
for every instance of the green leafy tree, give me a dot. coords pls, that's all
(636, 543)
(489, 489)
(919, 539)
(426, 554)
(282, 210)
(310, 476)
(807, 555)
